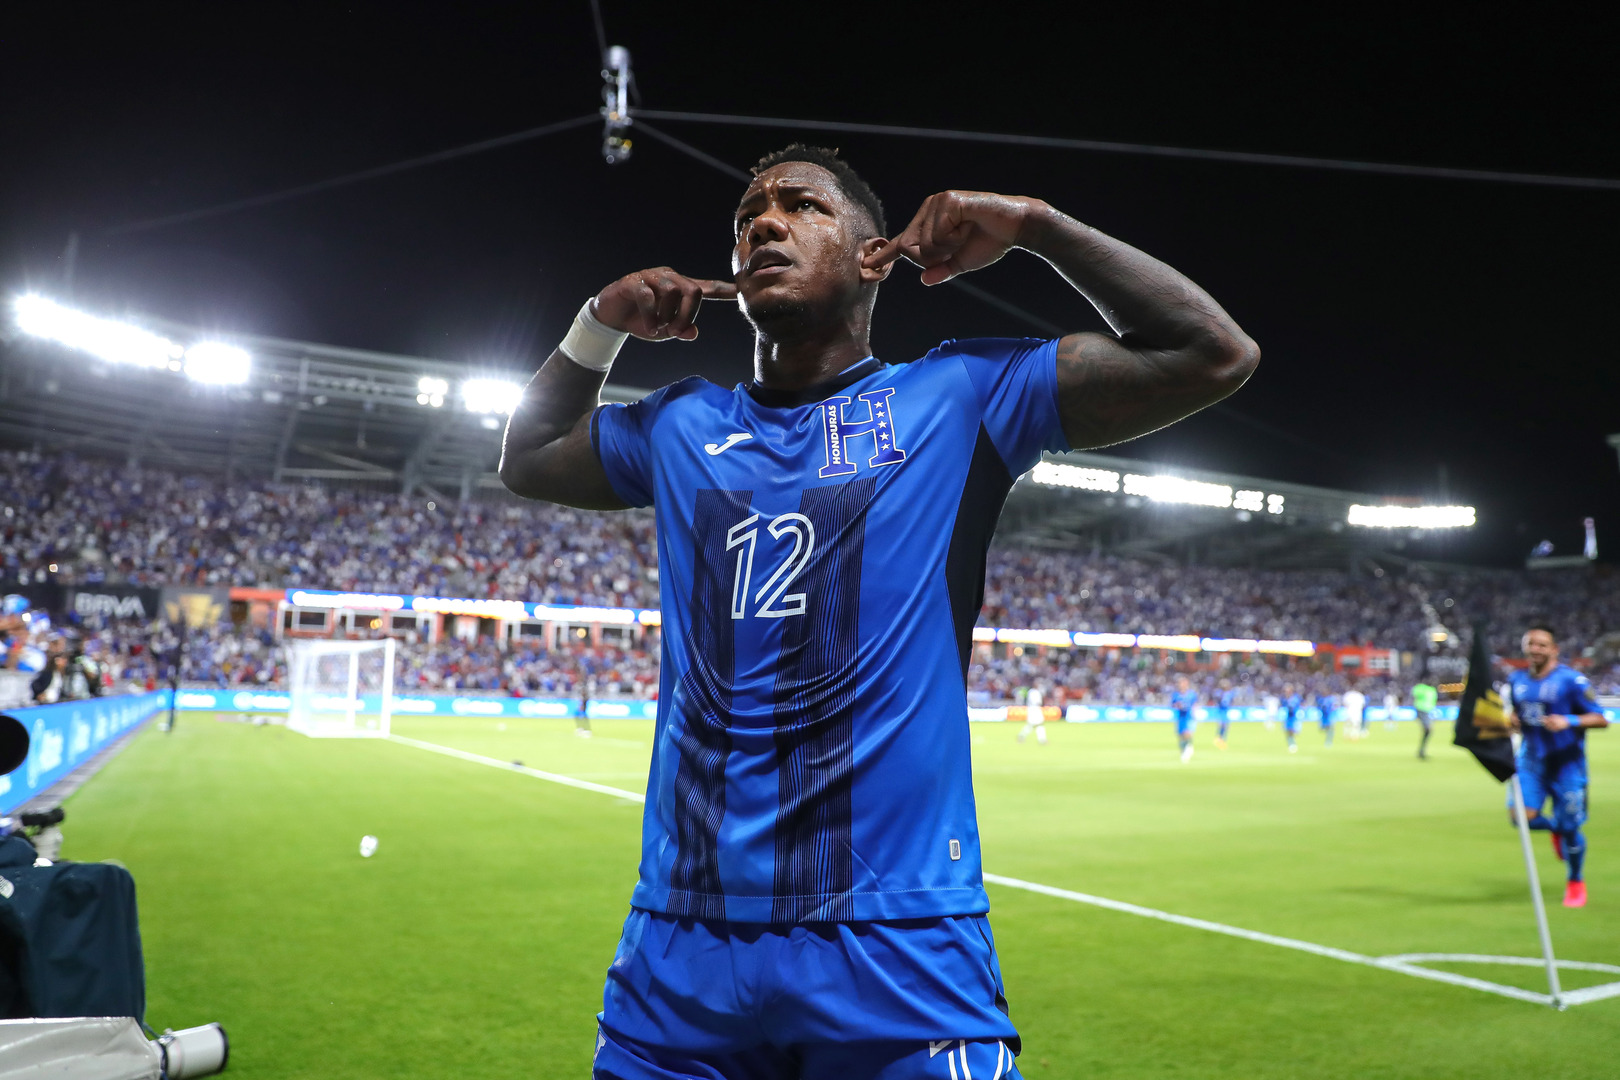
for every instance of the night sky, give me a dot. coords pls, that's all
(1412, 328)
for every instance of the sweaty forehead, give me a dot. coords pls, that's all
(794, 174)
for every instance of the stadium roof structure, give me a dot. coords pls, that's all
(307, 411)
(1149, 510)
(352, 416)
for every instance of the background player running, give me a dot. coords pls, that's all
(1184, 701)
(1292, 702)
(1325, 707)
(1034, 715)
(1554, 711)
(1425, 699)
(811, 902)
(1227, 703)
(1355, 713)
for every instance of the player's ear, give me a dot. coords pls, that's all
(869, 247)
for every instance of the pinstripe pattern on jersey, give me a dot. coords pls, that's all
(703, 703)
(815, 714)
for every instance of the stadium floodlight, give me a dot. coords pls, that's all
(1413, 517)
(1104, 641)
(431, 391)
(1230, 644)
(491, 396)
(110, 340)
(1174, 642)
(1288, 648)
(1274, 504)
(1074, 476)
(1177, 490)
(1060, 638)
(218, 364)
(1249, 500)
(320, 598)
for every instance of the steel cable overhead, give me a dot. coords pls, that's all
(1433, 172)
(353, 178)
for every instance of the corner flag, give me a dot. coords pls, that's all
(1482, 724)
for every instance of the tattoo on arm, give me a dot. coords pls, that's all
(547, 451)
(1174, 350)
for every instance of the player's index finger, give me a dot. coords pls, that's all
(717, 290)
(886, 254)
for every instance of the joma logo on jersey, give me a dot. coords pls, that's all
(838, 429)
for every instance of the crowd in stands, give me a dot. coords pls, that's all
(96, 522)
(88, 522)
(127, 652)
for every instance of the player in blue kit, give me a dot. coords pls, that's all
(810, 900)
(1227, 702)
(1554, 711)
(1183, 702)
(1325, 707)
(1292, 702)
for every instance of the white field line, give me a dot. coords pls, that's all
(1569, 997)
(555, 778)
(1406, 963)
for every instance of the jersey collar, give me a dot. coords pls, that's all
(773, 398)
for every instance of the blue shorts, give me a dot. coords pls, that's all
(1561, 780)
(1291, 723)
(746, 1001)
(1185, 723)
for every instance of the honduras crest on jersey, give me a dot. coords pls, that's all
(821, 565)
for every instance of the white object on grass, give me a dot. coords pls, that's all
(368, 846)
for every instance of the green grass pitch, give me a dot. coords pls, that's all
(474, 943)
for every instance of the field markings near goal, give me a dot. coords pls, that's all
(1403, 963)
(512, 766)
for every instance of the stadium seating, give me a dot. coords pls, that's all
(85, 521)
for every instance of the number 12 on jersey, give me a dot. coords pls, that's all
(770, 601)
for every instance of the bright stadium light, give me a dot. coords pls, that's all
(218, 364)
(1248, 500)
(1274, 504)
(1175, 489)
(431, 391)
(491, 396)
(112, 341)
(1413, 517)
(1074, 476)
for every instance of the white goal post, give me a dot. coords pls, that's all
(341, 689)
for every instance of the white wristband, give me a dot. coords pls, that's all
(591, 343)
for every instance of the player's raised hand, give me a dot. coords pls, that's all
(957, 231)
(658, 304)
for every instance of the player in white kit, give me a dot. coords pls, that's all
(1355, 713)
(1034, 716)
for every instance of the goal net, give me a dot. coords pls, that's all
(341, 689)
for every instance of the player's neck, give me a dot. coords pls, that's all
(1541, 672)
(806, 361)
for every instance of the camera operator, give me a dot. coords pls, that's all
(67, 675)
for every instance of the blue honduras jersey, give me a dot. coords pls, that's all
(1183, 701)
(821, 565)
(1563, 691)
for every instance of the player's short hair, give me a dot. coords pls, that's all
(850, 183)
(1545, 629)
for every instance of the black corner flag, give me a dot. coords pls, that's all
(1482, 724)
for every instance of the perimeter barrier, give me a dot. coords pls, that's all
(64, 736)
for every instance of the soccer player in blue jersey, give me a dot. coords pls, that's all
(1226, 704)
(1292, 702)
(1554, 710)
(1324, 717)
(810, 901)
(1184, 701)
